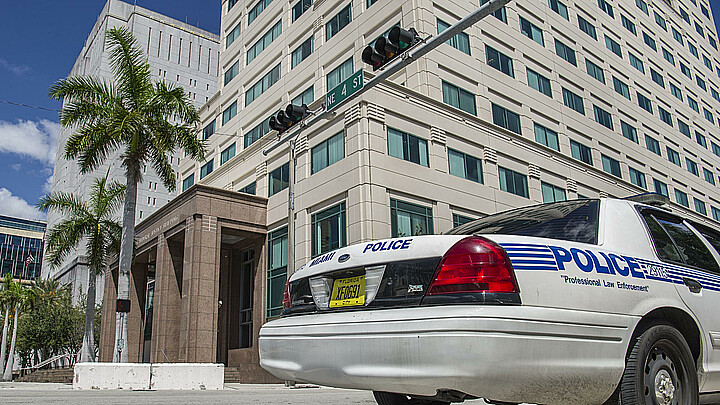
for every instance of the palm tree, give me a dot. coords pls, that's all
(5, 303)
(94, 221)
(146, 119)
(19, 299)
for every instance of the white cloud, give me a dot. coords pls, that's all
(16, 167)
(47, 187)
(18, 70)
(14, 206)
(33, 139)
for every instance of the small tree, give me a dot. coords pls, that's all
(19, 298)
(94, 221)
(5, 304)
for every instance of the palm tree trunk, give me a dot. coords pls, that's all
(87, 352)
(7, 376)
(3, 350)
(120, 354)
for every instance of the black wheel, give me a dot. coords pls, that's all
(659, 370)
(389, 398)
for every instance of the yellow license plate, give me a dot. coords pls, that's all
(348, 292)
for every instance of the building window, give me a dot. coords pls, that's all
(229, 113)
(581, 152)
(715, 95)
(676, 92)
(684, 128)
(700, 82)
(701, 140)
(329, 230)
(279, 179)
(257, 9)
(673, 156)
(460, 41)
(649, 41)
(565, 52)
(636, 63)
(657, 78)
(692, 167)
(513, 182)
(302, 52)
(306, 97)
(613, 46)
(328, 152)
(460, 220)
(531, 31)
(668, 56)
(693, 49)
(661, 188)
(552, 193)
(629, 131)
(188, 181)
(547, 137)
(231, 4)
(611, 166)
(660, 21)
(629, 25)
(573, 101)
(407, 147)
(262, 85)
(682, 198)
(685, 70)
(227, 154)
(208, 130)
(677, 35)
(341, 19)
(506, 118)
(340, 73)
(559, 7)
(621, 87)
(715, 148)
(232, 72)
(637, 178)
(708, 116)
(693, 104)
(264, 42)
(709, 177)
(606, 7)
(257, 132)
(642, 6)
(539, 82)
(276, 270)
(603, 117)
(700, 206)
(715, 213)
(249, 189)
(232, 36)
(458, 98)
(684, 15)
(500, 14)
(587, 28)
(653, 145)
(665, 116)
(465, 166)
(707, 63)
(499, 60)
(644, 103)
(299, 8)
(407, 219)
(206, 169)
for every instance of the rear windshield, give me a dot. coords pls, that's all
(575, 221)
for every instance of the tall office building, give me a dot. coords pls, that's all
(179, 54)
(21, 247)
(542, 101)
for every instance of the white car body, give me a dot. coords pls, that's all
(565, 343)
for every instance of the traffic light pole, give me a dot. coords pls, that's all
(393, 67)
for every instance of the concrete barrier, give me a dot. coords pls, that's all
(160, 376)
(110, 376)
(179, 376)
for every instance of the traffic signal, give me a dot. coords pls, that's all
(388, 48)
(291, 115)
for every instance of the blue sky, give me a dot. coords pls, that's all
(40, 41)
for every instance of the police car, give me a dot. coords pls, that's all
(578, 302)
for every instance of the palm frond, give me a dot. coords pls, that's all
(186, 137)
(164, 169)
(65, 203)
(129, 65)
(173, 102)
(82, 88)
(82, 113)
(63, 238)
(91, 145)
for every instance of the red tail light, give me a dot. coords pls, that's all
(474, 265)
(286, 296)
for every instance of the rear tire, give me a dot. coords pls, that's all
(389, 398)
(659, 370)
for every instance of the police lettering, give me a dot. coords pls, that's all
(388, 245)
(601, 263)
(322, 259)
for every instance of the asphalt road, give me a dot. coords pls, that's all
(45, 394)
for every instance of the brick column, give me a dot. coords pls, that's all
(107, 324)
(166, 311)
(136, 316)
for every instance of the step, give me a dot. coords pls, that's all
(58, 375)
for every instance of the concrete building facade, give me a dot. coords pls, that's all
(21, 247)
(542, 101)
(179, 54)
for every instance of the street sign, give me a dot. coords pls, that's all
(344, 90)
